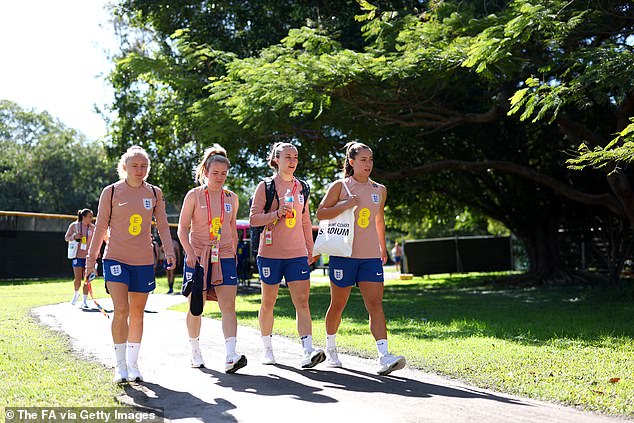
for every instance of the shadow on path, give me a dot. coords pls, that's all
(270, 385)
(177, 404)
(358, 381)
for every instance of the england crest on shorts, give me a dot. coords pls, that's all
(188, 276)
(228, 208)
(375, 198)
(115, 269)
(338, 274)
(147, 203)
(266, 272)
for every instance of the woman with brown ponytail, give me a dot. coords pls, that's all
(369, 253)
(208, 234)
(80, 232)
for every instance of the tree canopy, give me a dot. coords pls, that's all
(465, 103)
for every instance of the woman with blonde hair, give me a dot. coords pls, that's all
(207, 231)
(125, 213)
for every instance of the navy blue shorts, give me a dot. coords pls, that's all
(138, 278)
(229, 275)
(347, 271)
(79, 262)
(272, 270)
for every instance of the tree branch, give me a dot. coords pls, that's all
(603, 200)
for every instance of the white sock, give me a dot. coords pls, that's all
(119, 353)
(76, 294)
(195, 343)
(307, 342)
(133, 352)
(267, 341)
(381, 345)
(230, 345)
(330, 341)
(85, 298)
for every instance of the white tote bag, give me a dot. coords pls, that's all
(73, 246)
(336, 235)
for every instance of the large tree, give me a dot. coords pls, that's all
(428, 88)
(440, 82)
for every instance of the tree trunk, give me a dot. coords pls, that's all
(544, 260)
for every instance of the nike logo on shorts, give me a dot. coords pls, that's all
(233, 277)
(150, 283)
(379, 274)
(304, 272)
(123, 204)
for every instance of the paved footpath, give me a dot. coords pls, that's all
(283, 393)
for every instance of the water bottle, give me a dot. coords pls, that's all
(288, 199)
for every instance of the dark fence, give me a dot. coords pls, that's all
(32, 245)
(457, 255)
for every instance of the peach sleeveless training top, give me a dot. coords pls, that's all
(129, 231)
(199, 230)
(366, 239)
(291, 237)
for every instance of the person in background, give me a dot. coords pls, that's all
(369, 253)
(207, 231)
(125, 212)
(285, 251)
(81, 232)
(397, 255)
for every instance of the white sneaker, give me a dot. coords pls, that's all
(332, 359)
(74, 300)
(120, 373)
(388, 363)
(84, 306)
(312, 358)
(268, 357)
(197, 359)
(134, 375)
(235, 362)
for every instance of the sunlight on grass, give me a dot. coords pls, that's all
(567, 345)
(557, 344)
(37, 367)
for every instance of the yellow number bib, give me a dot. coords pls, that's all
(215, 226)
(291, 221)
(364, 218)
(135, 224)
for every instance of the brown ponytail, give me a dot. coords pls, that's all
(352, 149)
(215, 153)
(275, 153)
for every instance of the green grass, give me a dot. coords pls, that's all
(556, 344)
(37, 367)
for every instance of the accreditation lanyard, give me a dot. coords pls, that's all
(216, 241)
(83, 240)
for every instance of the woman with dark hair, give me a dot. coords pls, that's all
(369, 253)
(80, 232)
